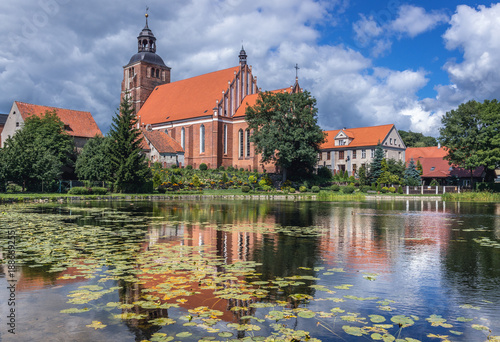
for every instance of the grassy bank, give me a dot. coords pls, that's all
(472, 197)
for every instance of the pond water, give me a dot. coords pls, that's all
(224, 270)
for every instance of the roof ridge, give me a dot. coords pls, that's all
(36, 105)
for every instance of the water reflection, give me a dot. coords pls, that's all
(422, 255)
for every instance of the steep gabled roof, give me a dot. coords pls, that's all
(362, 136)
(161, 141)
(251, 100)
(189, 98)
(80, 124)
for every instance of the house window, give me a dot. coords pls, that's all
(157, 73)
(328, 156)
(240, 138)
(341, 167)
(341, 154)
(390, 141)
(202, 139)
(372, 153)
(353, 169)
(248, 142)
(17, 124)
(225, 139)
(354, 154)
(399, 155)
(363, 154)
(183, 138)
(321, 156)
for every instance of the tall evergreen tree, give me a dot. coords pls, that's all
(412, 175)
(131, 171)
(376, 166)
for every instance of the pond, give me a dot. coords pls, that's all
(225, 270)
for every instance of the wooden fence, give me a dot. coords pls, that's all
(431, 190)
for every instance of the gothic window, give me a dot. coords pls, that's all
(202, 139)
(225, 139)
(248, 142)
(240, 136)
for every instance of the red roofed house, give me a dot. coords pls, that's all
(205, 114)
(80, 125)
(160, 147)
(434, 166)
(348, 149)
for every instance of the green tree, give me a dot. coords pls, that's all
(362, 175)
(412, 175)
(376, 164)
(412, 139)
(94, 162)
(460, 133)
(285, 130)
(420, 168)
(131, 171)
(37, 153)
(489, 136)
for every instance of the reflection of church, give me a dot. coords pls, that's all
(204, 114)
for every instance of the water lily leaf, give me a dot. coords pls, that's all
(463, 319)
(183, 334)
(96, 325)
(402, 320)
(162, 321)
(225, 334)
(444, 338)
(74, 310)
(456, 332)
(355, 331)
(377, 318)
(344, 287)
(161, 337)
(275, 315)
(437, 320)
(480, 327)
(306, 314)
(468, 306)
(337, 310)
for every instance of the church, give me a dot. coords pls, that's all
(205, 114)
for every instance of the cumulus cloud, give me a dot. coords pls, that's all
(414, 20)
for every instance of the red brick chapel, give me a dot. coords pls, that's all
(204, 114)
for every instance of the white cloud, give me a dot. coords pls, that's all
(414, 20)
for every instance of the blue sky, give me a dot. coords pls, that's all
(366, 62)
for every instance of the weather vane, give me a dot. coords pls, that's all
(296, 70)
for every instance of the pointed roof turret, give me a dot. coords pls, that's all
(146, 47)
(243, 57)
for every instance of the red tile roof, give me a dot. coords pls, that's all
(81, 124)
(251, 100)
(433, 164)
(362, 136)
(185, 99)
(161, 141)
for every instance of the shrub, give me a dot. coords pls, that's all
(174, 166)
(245, 188)
(365, 188)
(325, 173)
(315, 189)
(335, 187)
(349, 189)
(242, 169)
(99, 190)
(267, 188)
(196, 181)
(392, 189)
(221, 168)
(302, 189)
(400, 190)
(379, 188)
(203, 166)
(224, 178)
(79, 190)
(162, 189)
(230, 169)
(12, 187)
(292, 190)
(189, 167)
(374, 186)
(384, 189)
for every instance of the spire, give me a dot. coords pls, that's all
(243, 57)
(146, 41)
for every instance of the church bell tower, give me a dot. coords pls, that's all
(145, 70)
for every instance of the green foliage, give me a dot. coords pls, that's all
(174, 166)
(189, 167)
(392, 190)
(325, 173)
(362, 175)
(196, 181)
(412, 139)
(130, 169)
(291, 190)
(365, 188)
(285, 130)
(434, 182)
(13, 188)
(400, 190)
(349, 189)
(412, 175)
(203, 166)
(388, 178)
(384, 189)
(489, 151)
(379, 188)
(224, 178)
(37, 152)
(376, 164)
(374, 186)
(335, 187)
(93, 163)
(99, 190)
(245, 188)
(79, 190)
(302, 189)
(315, 189)
(221, 168)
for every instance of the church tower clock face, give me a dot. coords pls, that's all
(145, 70)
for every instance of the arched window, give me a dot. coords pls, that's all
(152, 72)
(240, 139)
(202, 139)
(157, 73)
(247, 133)
(183, 138)
(225, 139)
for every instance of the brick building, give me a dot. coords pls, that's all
(204, 114)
